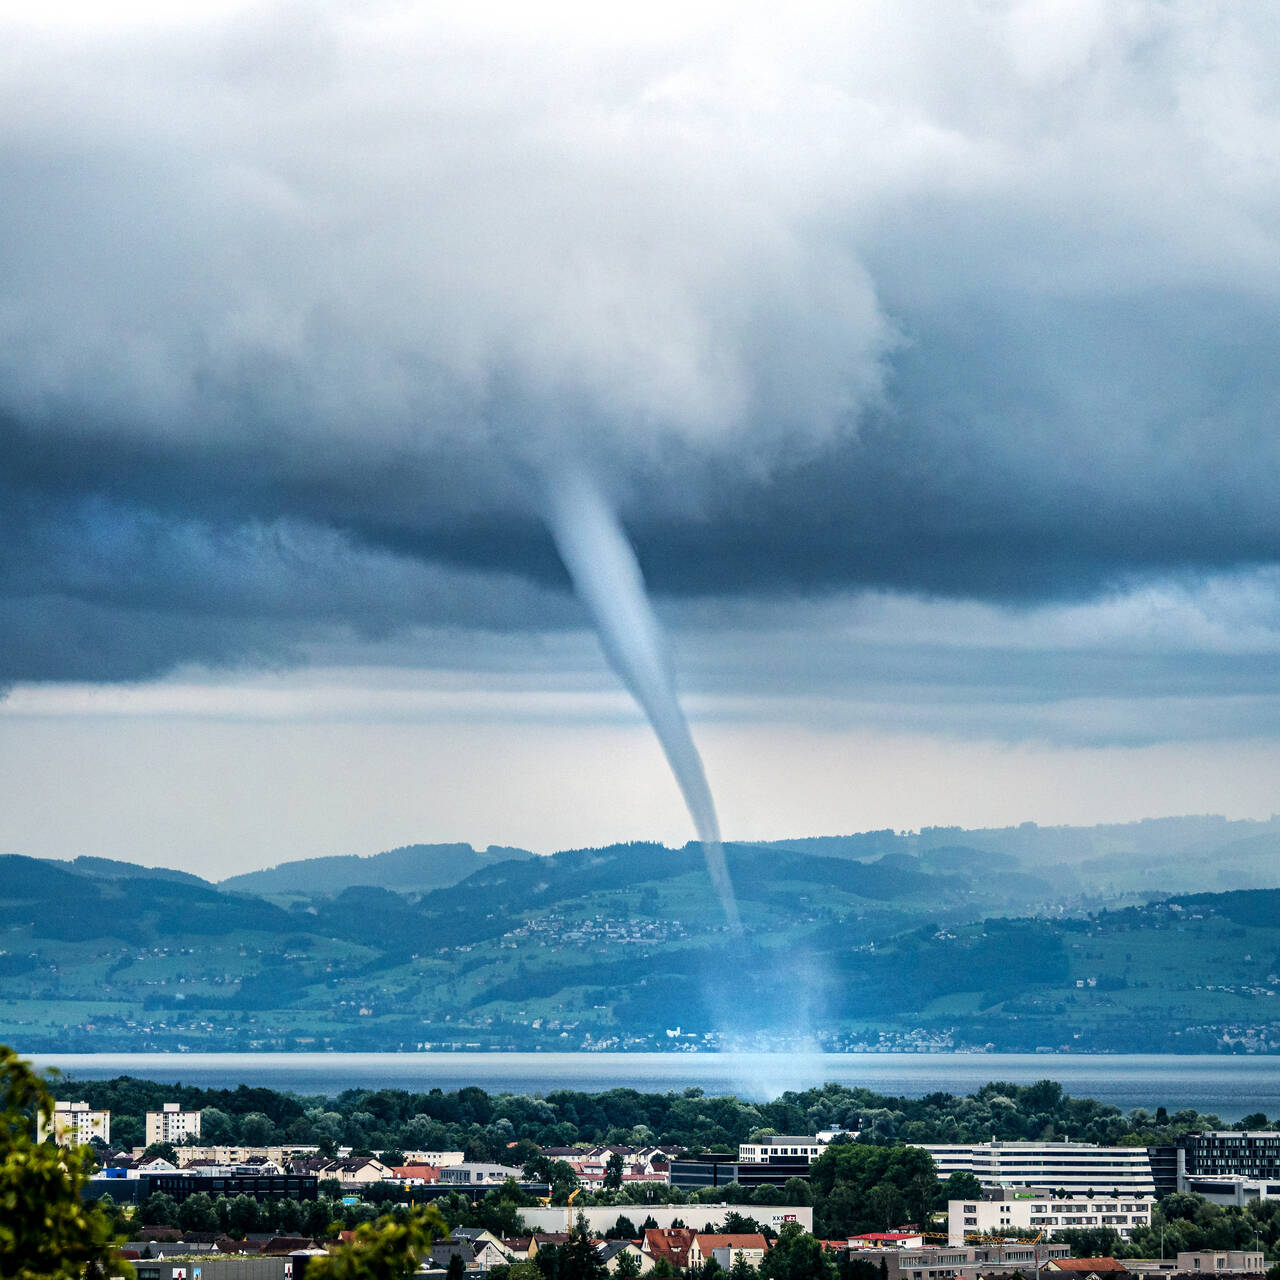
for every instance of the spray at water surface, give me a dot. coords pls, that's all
(608, 580)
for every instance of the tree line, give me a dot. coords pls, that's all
(485, 1126)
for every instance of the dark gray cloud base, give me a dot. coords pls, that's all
(295, 313)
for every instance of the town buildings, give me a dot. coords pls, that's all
(963, 1262)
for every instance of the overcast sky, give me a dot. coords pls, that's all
(929, 353)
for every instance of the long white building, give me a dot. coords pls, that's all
(1037, 1209)
(1071, 1166)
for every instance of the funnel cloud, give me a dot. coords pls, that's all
(608, 580)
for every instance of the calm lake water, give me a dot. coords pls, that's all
(1231, 1087)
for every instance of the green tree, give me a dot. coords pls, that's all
(796, 1191)
(960, 1186)
(741, 1269)
(165, 1150)
(158, 1210)
(216, 1127)
(457, 1267)
(797, 1256)
(576, 1259)
(386, 1250)
(197, 1213)
(1090, 1242)
(613, 1172)
(243, 1216)
(887, 1203)
(47, 1232)
(256, 1129)
(626, 1265)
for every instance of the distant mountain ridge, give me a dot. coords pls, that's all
(412, 868)
(925, 941)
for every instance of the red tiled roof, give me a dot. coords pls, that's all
(747, 1240)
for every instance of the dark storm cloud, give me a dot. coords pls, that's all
(295, 311)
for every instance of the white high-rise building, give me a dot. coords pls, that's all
(1071, 1166)
(172, 1124)
(74, 1124)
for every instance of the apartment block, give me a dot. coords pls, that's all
(1012, 1212)
(172, 1124)
(74, 1124)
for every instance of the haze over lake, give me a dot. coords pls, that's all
(1229, 1086)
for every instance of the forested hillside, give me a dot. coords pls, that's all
(626, 947)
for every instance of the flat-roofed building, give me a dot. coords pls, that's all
(811, 1146)
(172, 1124)
(1068, 1166)
(73, 1124)
(963, 1262)
(1007, 1211)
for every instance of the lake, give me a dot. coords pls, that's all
(1231, 1087)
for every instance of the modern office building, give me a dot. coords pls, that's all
(180, 1185)
(1251, 1155)
(172, 1124)
(73, 1124)
(1067, 1166)
(810, 1145)
(719, 1170)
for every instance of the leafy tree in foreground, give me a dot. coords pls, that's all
(385, 1250)
(46, 1231)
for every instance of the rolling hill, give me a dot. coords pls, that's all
(956, 945)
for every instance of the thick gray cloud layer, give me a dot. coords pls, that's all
(977, 301)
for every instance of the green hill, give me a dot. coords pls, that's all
(618, 947)
(414, 868)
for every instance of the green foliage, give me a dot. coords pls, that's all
(576, 1259)
(1090, 1242)
(387, 1250)
(165, 1150)
(243, 1216)
(46, 1231)
(796, 1255)
(858, 1187)
(159, 1209)
(197, 1213)
(1184, 1222)
(960, 1186)
(627, 1265)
